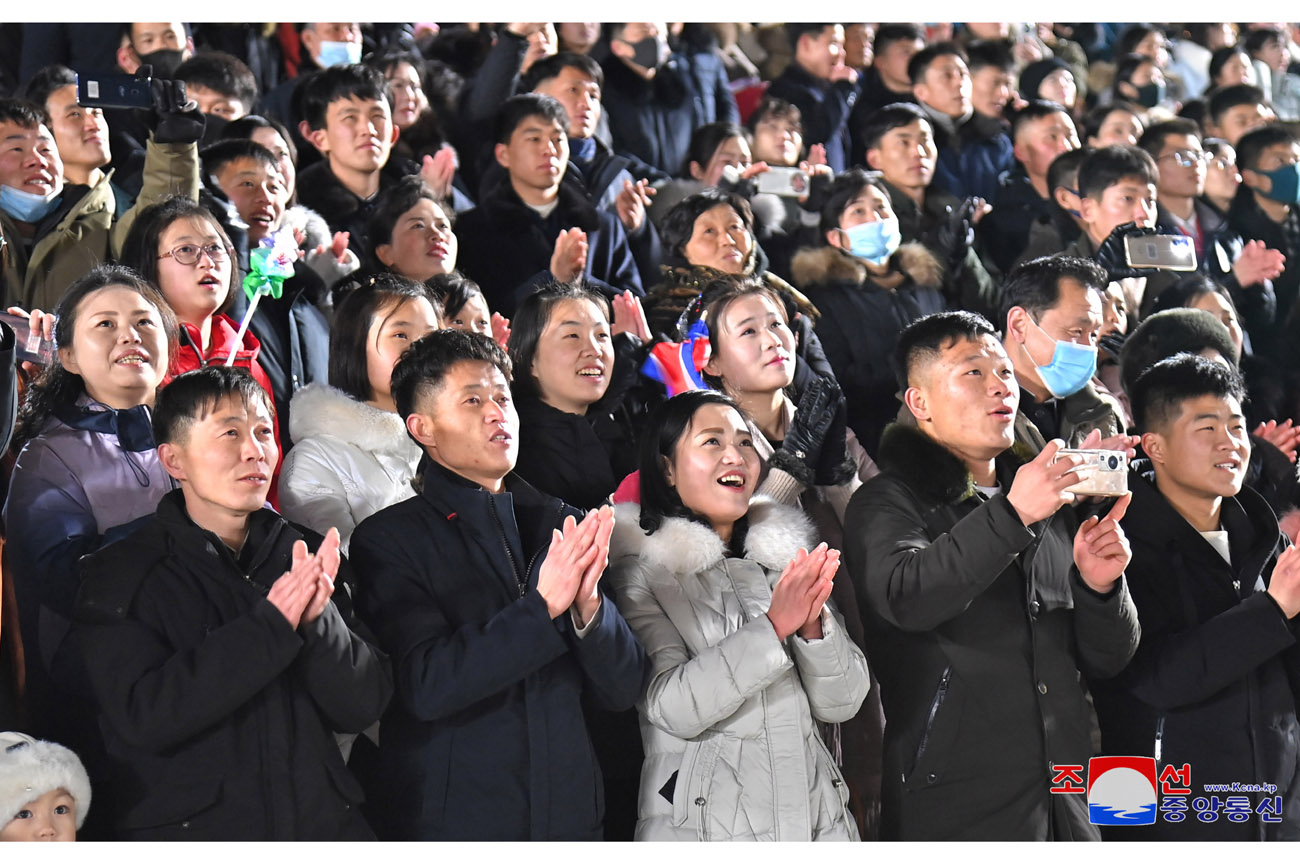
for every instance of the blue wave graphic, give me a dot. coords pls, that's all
(1114, 816)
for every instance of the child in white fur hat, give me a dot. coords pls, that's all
(44, 790)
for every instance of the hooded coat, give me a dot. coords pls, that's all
(728, 721)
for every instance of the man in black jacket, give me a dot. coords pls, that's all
(1217, 588)
(982, 602)
(220, 663)
(486, 592)
(822, 86)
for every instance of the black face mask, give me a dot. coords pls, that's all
(164, 61)
(646, 53)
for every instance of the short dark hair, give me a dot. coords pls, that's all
(194, 395)
(665, 428)
(515, 110)
(1158, 394)
(847, 186)
(796, 29)
(453, 291)
(140, 249)
(551, 67)
(26, 114)
(347, 81)
(991, 52)
(389, 207)
(1066, 167)
(1107, 166)
(1095, 119)
(774, 106)
(679, 222)
(1258, 37)
(1035, 109)
(47, 80)
(1153, 140)
(1169, 333)
(1220, 58)
(350, 335)
(222, 72)
(529, 321)
(1255, 142)
(706, 140)
(1128, 65)
(1188, 290)
(218, 155)
(920, 62)
(888, 118)
(421, 369)
(1035, 285)
(245, 126)
(1131, 37)
(1224, 99)
(887, 34)
(923, 340)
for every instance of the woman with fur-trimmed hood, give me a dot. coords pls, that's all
(868, 288)
(746, 650)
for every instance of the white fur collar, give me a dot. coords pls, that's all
(319, 410)
(776, 532)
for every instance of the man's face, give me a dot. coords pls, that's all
(857, 45)
(892, 63)
(469, 423)
(906, 155)
(358, 134)
(580, 96)
(820, 53)
(257, 192)
(1076, 318)
(1239, 120)
(1128, 200)
(1182, 166)
(966, 398)
(313, 37)
(217, 104)
(147, 38)
(224, 461)
(1270, 158)
(1119, 127)
(1202, 453)
(991, 90)
(1039, 142)
(81, 133)
(29, 159)
(946, 86)
(537, 153)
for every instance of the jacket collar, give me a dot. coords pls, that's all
(824, 265)
(319, 410)
(446, 490)
(223, 337)
(932, 471)
(264, 528)
(132, 427)
(504, 206)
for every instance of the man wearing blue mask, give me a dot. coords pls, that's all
(321, 46)
(1053, 314)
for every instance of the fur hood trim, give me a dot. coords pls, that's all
(319, 410)
(935, 473)
(312, 224)
(814, 266)
(682, 547)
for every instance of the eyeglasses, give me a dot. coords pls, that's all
(1223, 164)
(1187, 158)
(188, 254)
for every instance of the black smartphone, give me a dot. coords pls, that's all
(29, 345)
(114, 91)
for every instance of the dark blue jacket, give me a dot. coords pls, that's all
(651, 120)
(486, 738)
(825, 107)
(971, 161)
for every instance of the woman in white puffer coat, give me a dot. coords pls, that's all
(352, 455)
(747, 652)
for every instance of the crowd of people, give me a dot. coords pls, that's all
(648, 431)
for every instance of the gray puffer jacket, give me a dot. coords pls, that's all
(732, 751)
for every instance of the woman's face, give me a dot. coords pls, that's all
(871, 205)
(753, 349)
(574, 358)
(778, 141)
(714, 466)
(1221, 176)
(474, 317)
(408, 96)
(119, 347)
(1237, 69)
(393, 328)
(732, 151)
(719, 240)
(1215, 304)
(422, 244)
(1119, 127)
(274, 142)
(194, 291)
(1059, 87)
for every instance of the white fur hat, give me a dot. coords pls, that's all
(30, 768)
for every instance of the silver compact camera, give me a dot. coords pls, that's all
(1103, 473)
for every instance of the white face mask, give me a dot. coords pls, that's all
(339, 53)
(26, 206)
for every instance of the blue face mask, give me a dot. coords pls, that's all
(1286, 184)
(25, 206)
(338, 53)
(874, 241)
(1071, 367)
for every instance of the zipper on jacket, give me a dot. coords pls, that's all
(1160, 736)
(522, 580)
(939, 695)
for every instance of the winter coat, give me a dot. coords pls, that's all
(972, 156)
(732, 751)
(1003, 234)
(978, 627)
(1248, 219)
(651, 120)
(825, 107)
(565, 456)
(486, 738)
(1213, 683)
(1078, 415)
(87, 232)
(502, 222)
(861, 321)
(343, 210)
(350, 461)
(219, 716)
